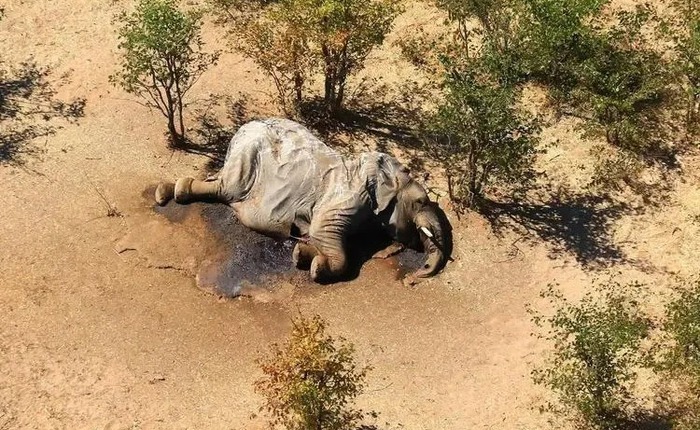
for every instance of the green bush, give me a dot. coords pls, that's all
(683, 28)
(596, 346)
(497, 39)
(680, 354)
(310, 381)
(480, 137)
(162, 58)
(292, 40)
(599, 67)
(594, 62)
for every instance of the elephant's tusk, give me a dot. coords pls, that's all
(435, 242)
(300, 239)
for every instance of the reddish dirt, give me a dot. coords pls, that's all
(103, 326)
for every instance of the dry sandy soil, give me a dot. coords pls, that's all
(103, 327)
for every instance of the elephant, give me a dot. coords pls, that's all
(283, 182)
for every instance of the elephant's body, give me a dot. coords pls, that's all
(279, 178)
(284, 182)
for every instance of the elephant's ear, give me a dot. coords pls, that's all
(391, 176)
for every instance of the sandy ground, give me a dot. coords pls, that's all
(102, 326)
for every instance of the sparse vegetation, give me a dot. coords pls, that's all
(162, 58)
(679, 351)
(310, 382)
(595, 63)
(610, 79)
(596, 350)
(683, 28)
(479, 134)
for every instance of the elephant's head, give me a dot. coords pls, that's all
(411, 218)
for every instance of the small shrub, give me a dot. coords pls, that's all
(347, 31)
(614, 169)
(596, 345)
(162, 58)
(310, 381)
(604, 74)
(480, 137)
(680, 354)
(683, 28)
(277, 41)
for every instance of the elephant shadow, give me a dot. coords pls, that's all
(362, 246)
(253, 257)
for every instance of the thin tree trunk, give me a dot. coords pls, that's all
(298, 86)
(174, 135)
(179, 106)
(472, 187)
(175, 139)
(329, 95)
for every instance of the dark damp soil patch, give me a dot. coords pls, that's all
(409, 261)
(172, 211)
(251, 260)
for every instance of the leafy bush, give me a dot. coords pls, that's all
(277, 41)
(598, 66)
(162, 58)
(683, 27)
(309, 381)
(621, 88)
(595, 63)
(496, 41)
(478, 133)
(596, 348)
(480, 137)
(680, 353)
(291, 40)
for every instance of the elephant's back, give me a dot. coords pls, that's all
(281, 166)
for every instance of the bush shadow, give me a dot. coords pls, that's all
(649, 422)
(575, 224)
(212, 137)
(28, 104)
(367, 114)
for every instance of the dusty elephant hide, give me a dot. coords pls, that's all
(284, 182)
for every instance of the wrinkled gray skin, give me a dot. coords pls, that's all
(283, 182)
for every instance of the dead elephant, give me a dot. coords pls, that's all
(283, 182)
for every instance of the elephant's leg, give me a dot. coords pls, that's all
(251, 215)
(188, 190)
(327, 233)
(303, 255)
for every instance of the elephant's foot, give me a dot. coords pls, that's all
(164, 193)
(325, 269)
(183, 190)
(319, 268)
(180, 190)
(303, 255)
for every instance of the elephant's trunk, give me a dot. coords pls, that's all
(434, 242)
